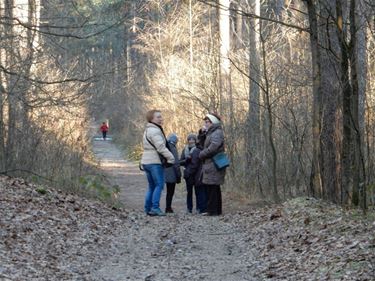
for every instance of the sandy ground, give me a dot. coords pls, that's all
(301, 239)
(176, 247)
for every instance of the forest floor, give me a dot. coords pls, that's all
(47, 234)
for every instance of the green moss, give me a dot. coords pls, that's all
(41, 190)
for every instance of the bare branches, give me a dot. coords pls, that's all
(215, 4)
(43, 28)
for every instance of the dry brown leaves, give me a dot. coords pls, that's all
(307, 239)
(51, 236)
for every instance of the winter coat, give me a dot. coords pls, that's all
(155, 135)
(193, 165)
(104, 128)
(173, 174)
(185, 159)
(213, 144)
(196, 167)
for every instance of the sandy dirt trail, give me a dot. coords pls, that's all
(176, 247)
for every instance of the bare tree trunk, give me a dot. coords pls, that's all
(270, 127)
(316, 185)
(358, 74)
(347, 140)
(331, 112)
(253, 116)
(225, 67)
(2, 98)
(226, 99)
(11, 88)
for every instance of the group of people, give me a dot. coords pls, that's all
(161, 163)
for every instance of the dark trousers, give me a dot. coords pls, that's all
(170, 192)
(201, 193)
(214, 203)
(189, 195)
(104, 135)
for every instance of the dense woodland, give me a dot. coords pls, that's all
(292, 79)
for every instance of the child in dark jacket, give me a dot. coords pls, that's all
(172, 174)
(192, 174)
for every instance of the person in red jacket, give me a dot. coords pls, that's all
(104, 129)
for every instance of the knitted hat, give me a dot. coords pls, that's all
(173, 138)
(192, 136)
(213, 118)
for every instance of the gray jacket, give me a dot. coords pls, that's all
(214, 144)
(173, 174)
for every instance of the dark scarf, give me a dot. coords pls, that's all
(201, 139)
(162, 131)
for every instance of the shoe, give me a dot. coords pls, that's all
(156, 212)
(209, 214)
(169, 210)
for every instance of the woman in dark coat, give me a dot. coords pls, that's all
(196, 173)
(172, 174)
(212, 178)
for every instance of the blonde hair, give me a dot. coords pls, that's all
(150, 114)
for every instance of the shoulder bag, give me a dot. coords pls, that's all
(221, 161)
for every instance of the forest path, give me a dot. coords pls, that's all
(128, 177)
(176, 247)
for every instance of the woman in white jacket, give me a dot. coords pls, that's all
(154, 149)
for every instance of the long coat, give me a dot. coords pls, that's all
(213, 144)
(173, 174)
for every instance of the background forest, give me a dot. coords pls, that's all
(293, 80)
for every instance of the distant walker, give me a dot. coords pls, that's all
(104, 129)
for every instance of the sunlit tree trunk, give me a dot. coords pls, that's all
(253, 117)
(226, 99)
(2, 96)
(225, 67)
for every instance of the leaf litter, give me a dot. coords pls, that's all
(53, 235)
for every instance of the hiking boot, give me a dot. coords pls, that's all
(156, 212)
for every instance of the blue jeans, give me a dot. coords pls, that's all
(201, 194)
(155, 177)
